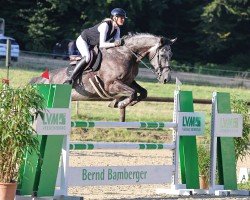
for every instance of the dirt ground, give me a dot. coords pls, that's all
(126, 158)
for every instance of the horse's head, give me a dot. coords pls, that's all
(159, 57)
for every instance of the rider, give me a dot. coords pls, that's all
(101, 35)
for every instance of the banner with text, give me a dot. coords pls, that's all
(120, 175)
(191, 123)
(56, 121)
(228, 125)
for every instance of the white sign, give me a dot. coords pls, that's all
(191, 123)
(228, 125)
(56, 121)
(120, 175)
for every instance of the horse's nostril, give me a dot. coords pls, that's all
(168, 79)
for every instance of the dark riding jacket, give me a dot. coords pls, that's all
(91, 35)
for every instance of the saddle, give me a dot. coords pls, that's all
(93, 64)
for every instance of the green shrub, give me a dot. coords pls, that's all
(17, 108)
(204, 159)
(241, 144)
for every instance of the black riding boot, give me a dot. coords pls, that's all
(75, 72)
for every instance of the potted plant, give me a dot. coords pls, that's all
(204, 164)
(18, 106)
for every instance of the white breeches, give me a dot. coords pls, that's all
(83, 48)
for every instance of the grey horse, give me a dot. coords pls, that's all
(118, 70)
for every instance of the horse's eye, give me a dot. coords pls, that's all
(163, 54)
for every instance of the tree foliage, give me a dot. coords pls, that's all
(207, 31)
(225, 29)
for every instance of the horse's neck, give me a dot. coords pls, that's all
(141, 44)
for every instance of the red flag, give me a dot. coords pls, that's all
(45, 74)
(5, 81)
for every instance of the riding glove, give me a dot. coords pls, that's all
(119, 42)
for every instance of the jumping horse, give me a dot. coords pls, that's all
(115, 78)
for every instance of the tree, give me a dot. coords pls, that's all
(225, 30)
(207, 31)
(15, 24)
(41, 27)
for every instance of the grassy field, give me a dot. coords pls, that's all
(144, 111)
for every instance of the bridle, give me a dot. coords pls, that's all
(158, 71)
(159, 68)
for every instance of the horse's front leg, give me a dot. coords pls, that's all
(117, 87)
(139, 89)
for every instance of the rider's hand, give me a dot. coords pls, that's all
(119, 43)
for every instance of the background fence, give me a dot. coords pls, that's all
(186, 74)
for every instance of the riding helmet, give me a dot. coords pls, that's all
(118, 12)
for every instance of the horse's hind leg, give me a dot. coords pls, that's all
(139, 89)
(123, 90)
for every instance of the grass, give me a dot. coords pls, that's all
(244, 186)
(20, 75)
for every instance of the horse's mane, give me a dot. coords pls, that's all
(130, 35)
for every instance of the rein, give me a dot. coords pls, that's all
(140, 60)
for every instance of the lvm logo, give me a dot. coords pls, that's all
(228, 125)
(191, 121)
(54, 118)
(56, 121)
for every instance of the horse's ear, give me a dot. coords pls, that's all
(166, 41)
(172, 41)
